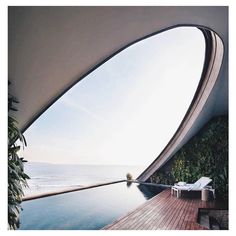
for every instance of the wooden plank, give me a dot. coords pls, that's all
(175, 214)
(147, 212)
(136, 213)
(155, 216)
(163, 212)
(192, 212)
(184, 212)
(159, 209)
(179, 215)
(187, 215)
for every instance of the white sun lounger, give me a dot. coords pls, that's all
(197, 186)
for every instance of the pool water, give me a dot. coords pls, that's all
(89, 209)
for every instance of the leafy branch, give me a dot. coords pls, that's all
(17, 179)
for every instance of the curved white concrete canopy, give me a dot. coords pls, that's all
(52, 48)
(188, 126)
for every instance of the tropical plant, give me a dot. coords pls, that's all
(129, 177)
(17, 179)
(206, 154)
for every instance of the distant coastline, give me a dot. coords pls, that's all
(49, 177)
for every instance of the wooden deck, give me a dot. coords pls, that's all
(163, 212)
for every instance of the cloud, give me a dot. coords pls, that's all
(75, 105)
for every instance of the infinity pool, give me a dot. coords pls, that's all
(89, 209)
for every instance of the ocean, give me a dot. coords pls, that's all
(47, 177)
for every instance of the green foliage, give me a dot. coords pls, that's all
(206, 154)
(129, 176)
(16, 176)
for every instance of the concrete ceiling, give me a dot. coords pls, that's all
(52, 48)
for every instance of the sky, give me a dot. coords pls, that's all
(126, 111)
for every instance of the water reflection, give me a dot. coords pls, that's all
(128, 183)
(89, 209)
(149, 191)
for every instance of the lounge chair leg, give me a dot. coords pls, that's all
(178, 193)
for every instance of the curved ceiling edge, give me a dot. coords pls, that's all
(25, 126)
(212, 66)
